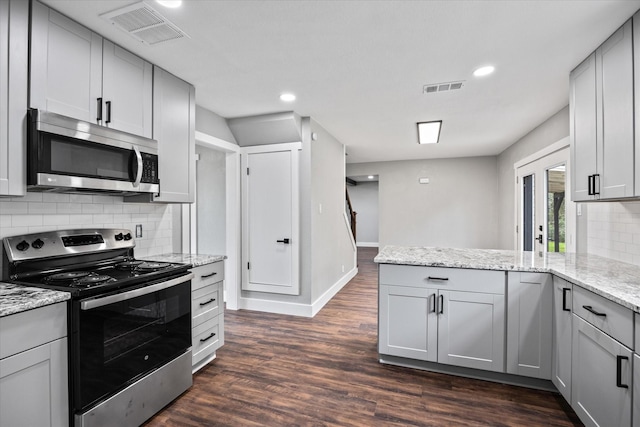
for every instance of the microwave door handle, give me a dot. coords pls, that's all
(111, 299)
(138, 178)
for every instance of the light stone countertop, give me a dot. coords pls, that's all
(195, 260)
(16, 298)
(614, 280)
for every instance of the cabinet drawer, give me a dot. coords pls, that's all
(29, 329)
(205, 303)
(207, 274)
(459, 279)
(608, 316)
(206, 339)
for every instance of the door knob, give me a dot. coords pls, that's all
(285, 241)
(539, 238)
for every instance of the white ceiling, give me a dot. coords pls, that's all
(358, 67)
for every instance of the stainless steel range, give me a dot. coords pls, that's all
(129, 320)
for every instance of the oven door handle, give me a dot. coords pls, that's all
(99, 302)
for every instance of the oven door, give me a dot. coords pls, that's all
(121, 337)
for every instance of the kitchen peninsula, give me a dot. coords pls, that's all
(517, 317)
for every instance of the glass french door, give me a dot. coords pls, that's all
(545, 215)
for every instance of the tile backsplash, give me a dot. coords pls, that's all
(49, 211)
(613, 230)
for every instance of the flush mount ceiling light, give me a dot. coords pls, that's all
(484, 71)
(371, 177)
(172, 4)
(429, 132)
(287, 97)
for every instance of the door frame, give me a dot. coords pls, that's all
(570, 218)
(232, 215)
(294, 148)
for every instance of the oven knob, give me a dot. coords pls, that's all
(22, 246)
(119, 236)
(127, 236)
(37, 244)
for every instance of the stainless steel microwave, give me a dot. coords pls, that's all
(68, 155)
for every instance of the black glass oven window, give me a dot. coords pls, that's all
(89, 159)
(120, 342)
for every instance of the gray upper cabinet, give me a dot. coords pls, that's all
(127, 82)
(602, 120)
(582, 123)
(174, 129)
(74, 72)
(614, 84)
(14, 33)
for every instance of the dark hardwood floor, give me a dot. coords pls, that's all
(277, 370)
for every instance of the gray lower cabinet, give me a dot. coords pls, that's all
(562, 331)
(207, 308)
(408, 322)
(601, 365)
(437, 315)
(33, 368)
(14, 60)
(529, 324)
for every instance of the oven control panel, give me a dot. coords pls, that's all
(66, 242)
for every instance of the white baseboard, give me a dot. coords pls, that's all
(296, 309)
(367, 244)
(332, 291)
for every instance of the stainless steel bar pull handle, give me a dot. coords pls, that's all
(441, 304)
(285, 241)
(437, 278)
(564, 299)
(108, 112)
(207, 302)
(99, 118)
(139, 165)
(207, 338)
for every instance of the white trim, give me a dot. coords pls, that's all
(246, 284)
(217, 143)
(556, 146)
(332, 291)
(368, 244)
(293, 308)
(232, 214)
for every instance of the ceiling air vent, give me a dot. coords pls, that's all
(442, 87)
(144, 23)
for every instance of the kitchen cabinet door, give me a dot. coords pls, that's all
(14, 48)
(471, 330)
(66, 65)
(636, 390)
(614, 77)
(529, 324)
(601, 377)
(174, 129)
(127, 83)
(408, 323)
(561, 371)
(33, 387)
(582, 124)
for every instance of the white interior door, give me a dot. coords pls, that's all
(270, 221)
(545, 213)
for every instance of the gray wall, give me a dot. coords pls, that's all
(212, 124)
(364, 199)
(458, 208)
(211, 201)
(333, 253)
(550, 131)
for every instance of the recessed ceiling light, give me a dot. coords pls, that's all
(429, 132)
(170, 3)
(371, 177)
(287, 97)
(484, 71)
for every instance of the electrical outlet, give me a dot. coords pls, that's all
(138, 230)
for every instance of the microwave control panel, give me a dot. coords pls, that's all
(149, 168)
